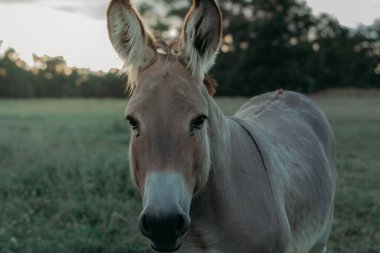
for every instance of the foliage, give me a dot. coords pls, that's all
(280, 44)
(51, 77)
(267, 44)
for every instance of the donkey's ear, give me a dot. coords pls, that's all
(201, 36)
(130, 38)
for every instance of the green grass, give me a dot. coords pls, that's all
(64, 177)
(65, 186)
(356, 124)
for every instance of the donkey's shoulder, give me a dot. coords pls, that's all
(287, 112)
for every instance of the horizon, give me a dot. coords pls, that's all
(79, 32)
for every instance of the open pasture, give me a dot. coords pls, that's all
(64, 177)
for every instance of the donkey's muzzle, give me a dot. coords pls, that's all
(165, 218)
(166, 232)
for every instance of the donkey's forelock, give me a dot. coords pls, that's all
(197, 47)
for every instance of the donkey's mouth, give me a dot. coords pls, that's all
(166, 247)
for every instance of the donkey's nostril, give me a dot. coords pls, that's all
(182, 225)
(163, 227)
(145, 224)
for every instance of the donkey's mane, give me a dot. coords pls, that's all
(210, 84)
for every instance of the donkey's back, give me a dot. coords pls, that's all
(297, 145)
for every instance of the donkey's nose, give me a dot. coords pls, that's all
(174, 225)
(164, 231)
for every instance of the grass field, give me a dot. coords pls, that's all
(65, 187)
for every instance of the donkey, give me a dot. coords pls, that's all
(260, 181)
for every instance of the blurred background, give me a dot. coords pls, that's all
(64, 176)
(60, 48)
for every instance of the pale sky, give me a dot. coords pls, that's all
(76, 29)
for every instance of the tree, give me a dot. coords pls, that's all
(270, 44)
(267, 44)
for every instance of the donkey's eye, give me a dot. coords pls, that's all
(197, 123)
(134, 124)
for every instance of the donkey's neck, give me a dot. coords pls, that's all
(235, 165)
(219, 135)
(201, 234)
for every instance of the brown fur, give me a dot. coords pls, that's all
(210, 84)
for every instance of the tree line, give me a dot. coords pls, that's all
(51, 77)
(267, 44)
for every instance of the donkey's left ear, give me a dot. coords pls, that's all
(201, 36)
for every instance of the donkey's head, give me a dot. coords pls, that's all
(168, 111)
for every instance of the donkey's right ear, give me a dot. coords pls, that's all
(131, 40)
